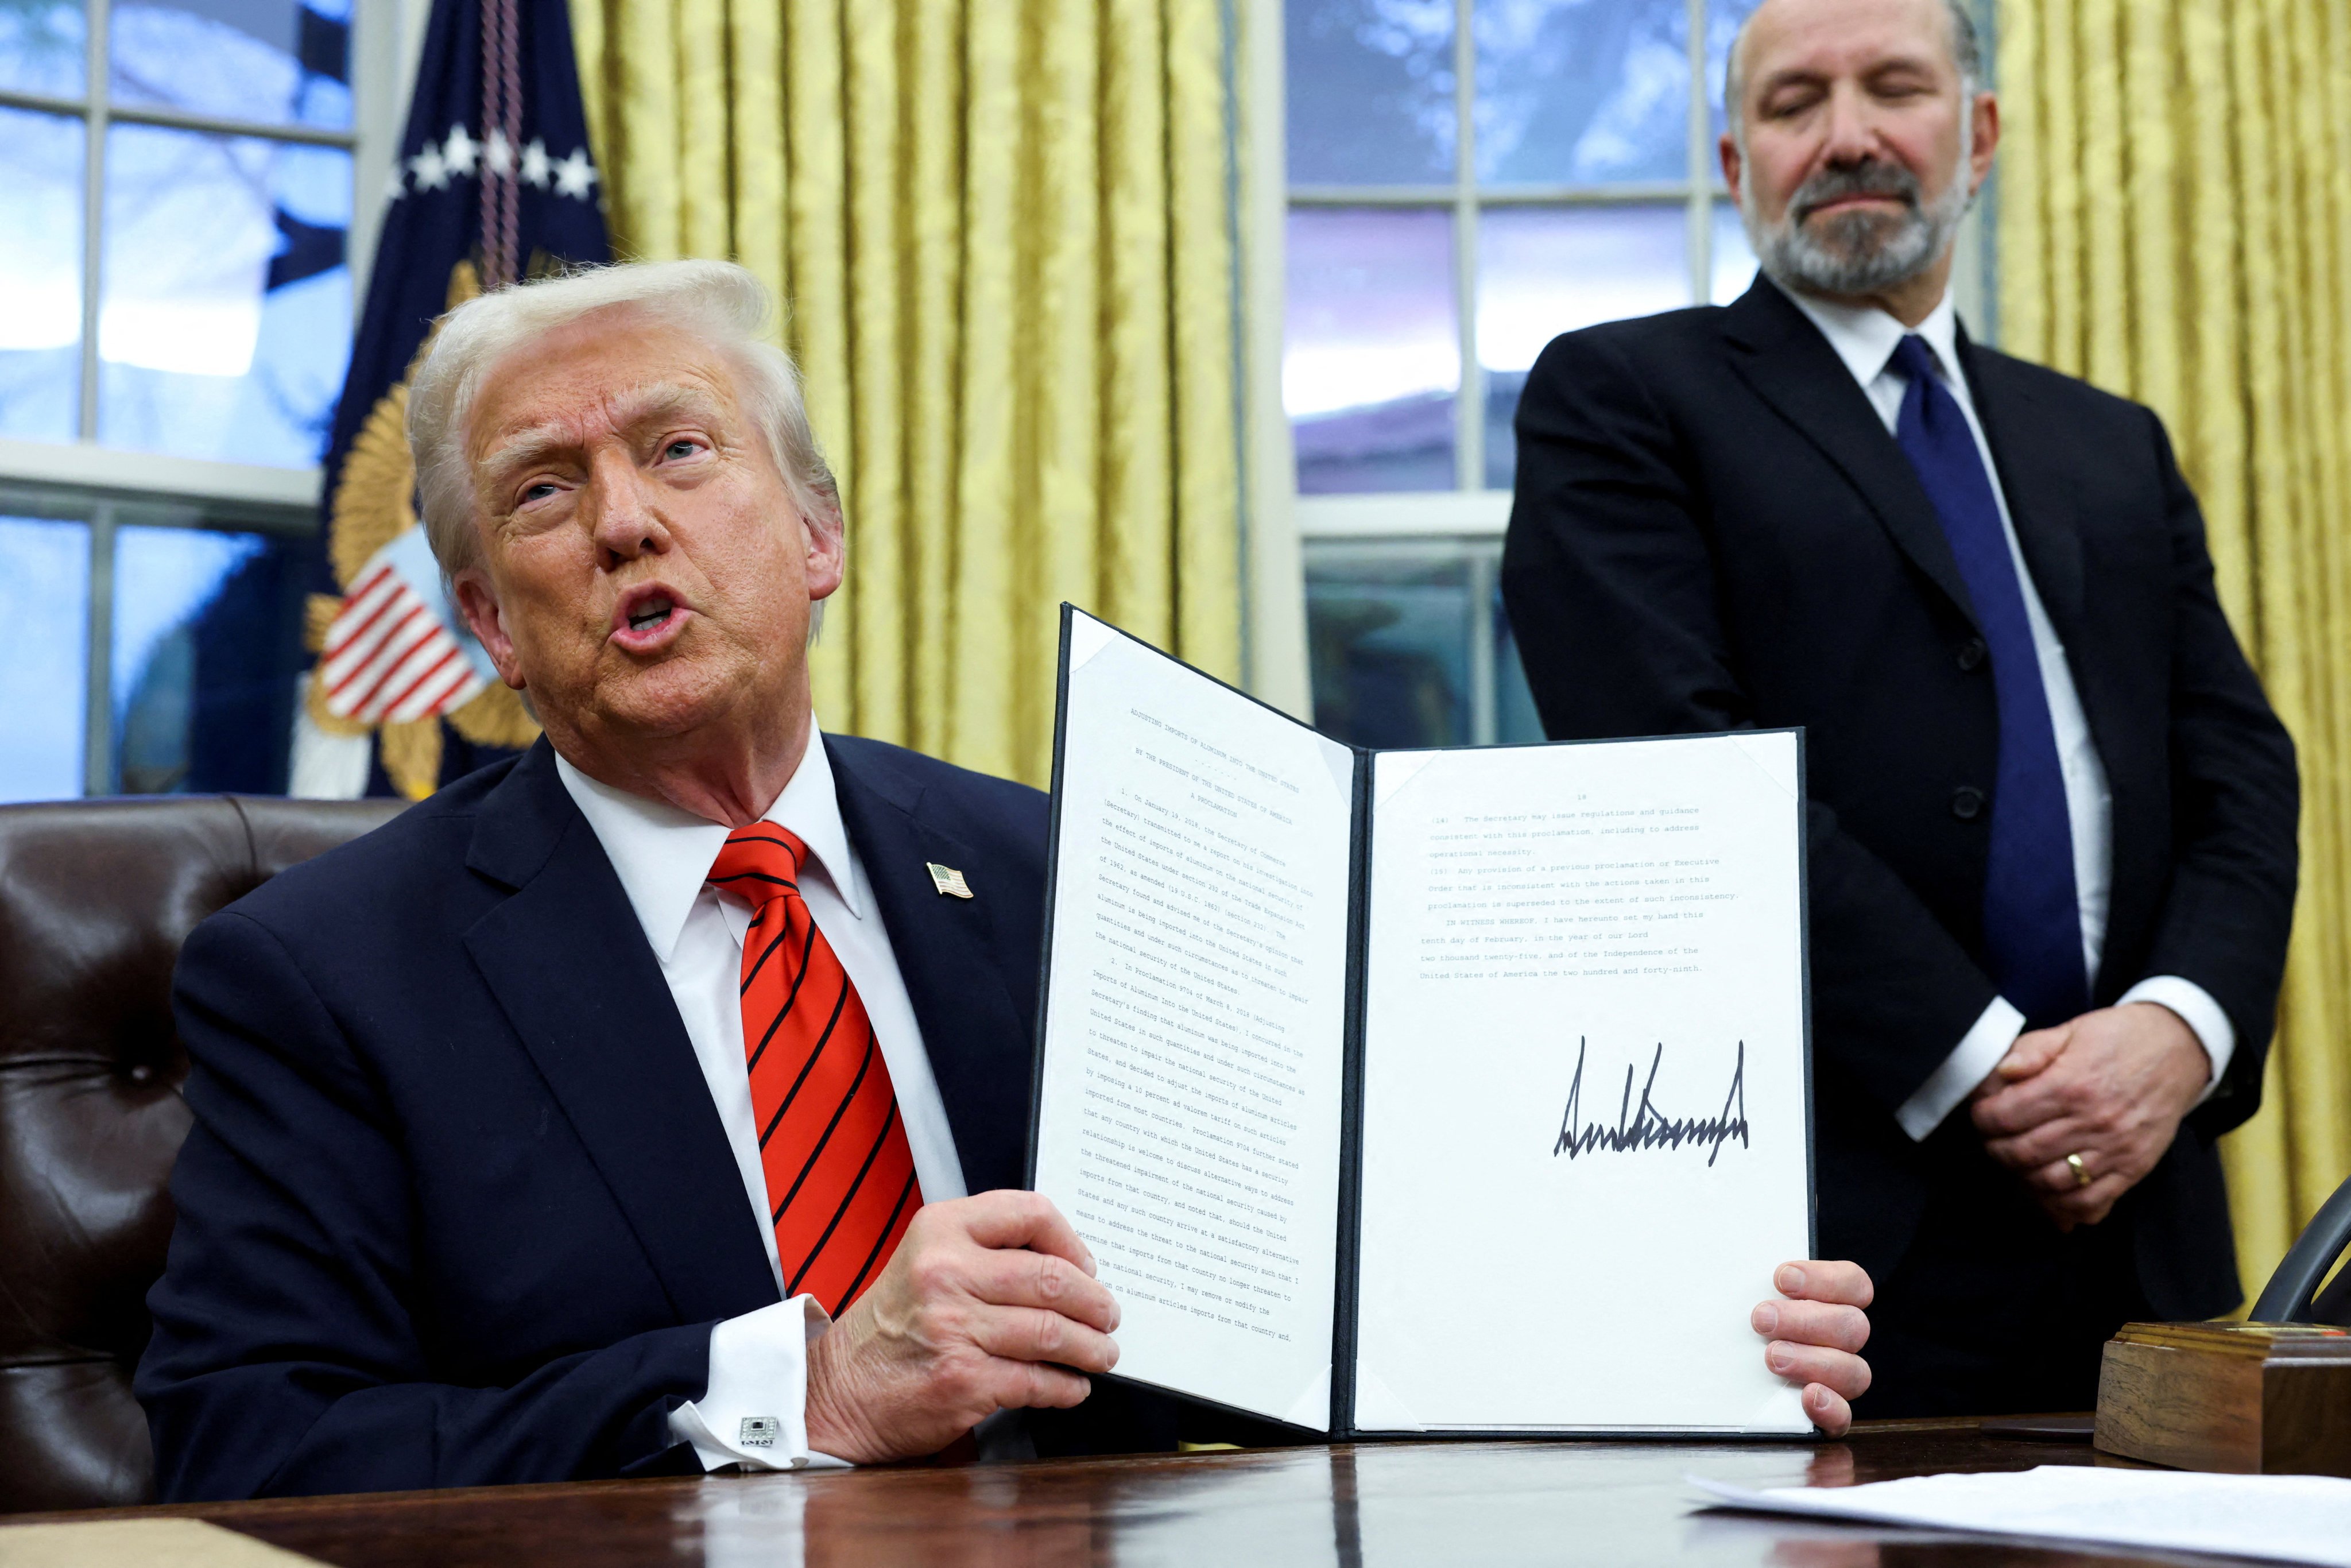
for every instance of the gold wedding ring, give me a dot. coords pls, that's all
(2081, 1172)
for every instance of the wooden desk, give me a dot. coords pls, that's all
(1382, 1504)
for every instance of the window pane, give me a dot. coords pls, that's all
(40, 275)
(1371, 354)
(44, 659)
(274, 61)
(227, 318)
(1371, 92)
(1734, 259)
(1388, 634)
(42, 47)
(1583, 92)
(1542, 271)
(1722, 22)
(206, 643)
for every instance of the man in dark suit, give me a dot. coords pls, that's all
(653, 1102)
(2052, 815)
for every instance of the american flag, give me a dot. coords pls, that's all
(494, 172)
(394, 654)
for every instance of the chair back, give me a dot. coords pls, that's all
(96, 897)
(2298, 1292)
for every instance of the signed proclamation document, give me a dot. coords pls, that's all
(1457, 1090)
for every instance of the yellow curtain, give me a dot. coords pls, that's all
(1005, 233)
(2175, 225)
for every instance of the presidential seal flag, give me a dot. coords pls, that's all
(495, 182)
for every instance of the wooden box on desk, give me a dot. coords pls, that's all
(2250, 1398)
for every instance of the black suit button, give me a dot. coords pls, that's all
(1971, 652)
(1967, 803)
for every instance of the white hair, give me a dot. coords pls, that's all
(716, 301)
(1967, 54)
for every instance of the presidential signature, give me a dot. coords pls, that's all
(1647, 1127)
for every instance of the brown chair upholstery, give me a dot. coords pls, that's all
(95, 899)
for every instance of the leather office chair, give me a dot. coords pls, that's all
(2293, 1294)
(95, 899)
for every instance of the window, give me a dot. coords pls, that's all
(179, 180)
(182, 175)
(1466, 180)
(162, 654)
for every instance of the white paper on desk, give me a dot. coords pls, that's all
(1190, 1097)
(1549, 1244)
(2285, 1519)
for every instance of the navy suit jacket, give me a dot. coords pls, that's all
(457, 1208)
(1713, 531)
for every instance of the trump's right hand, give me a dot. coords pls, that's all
(1817, 1334)
(986, 1305)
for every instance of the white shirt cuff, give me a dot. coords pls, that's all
(1980, 1050)
(754, 1411)
(2200, 1012)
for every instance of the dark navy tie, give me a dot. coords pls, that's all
(2032, 922)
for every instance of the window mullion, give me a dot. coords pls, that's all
(93, 164)
(217, 125)
(98, 702)
(376, 107)
(75, 104)
(1701, 184)
(1469, 406)
(1672, 190)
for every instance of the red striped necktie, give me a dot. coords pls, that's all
(840, 1177)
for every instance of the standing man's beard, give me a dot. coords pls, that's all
(1858, 252)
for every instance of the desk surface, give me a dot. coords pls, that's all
(1344, 1506)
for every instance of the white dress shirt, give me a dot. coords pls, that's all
(1865, 337)
(759, 1363)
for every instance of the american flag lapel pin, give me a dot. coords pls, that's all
(948, 881)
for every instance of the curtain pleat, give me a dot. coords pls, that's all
(1204, 250)
(1004, 237)
(2175, 225)
(873, 275)
(932, 380)
(994, 453)
(1064, 200)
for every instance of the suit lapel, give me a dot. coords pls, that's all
(978, 1044)
(1792, 366)
(570, 967)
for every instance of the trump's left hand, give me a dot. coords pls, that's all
(1816, 1331)
(2110, 1087)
